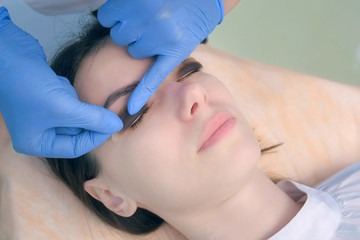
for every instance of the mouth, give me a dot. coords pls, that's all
(216, 129)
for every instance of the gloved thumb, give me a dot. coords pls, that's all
(68, 131)
(66, 146)
(91, 117)
(162, 67)
(108, 14)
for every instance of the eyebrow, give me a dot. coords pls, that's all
(184, 67)
(120, 93)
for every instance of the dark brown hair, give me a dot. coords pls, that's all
(74, 172)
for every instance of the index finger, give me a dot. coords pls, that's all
(162, 67)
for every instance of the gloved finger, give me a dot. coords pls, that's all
(68, 131)
(162, 67)
(164, 36)
(65, 146)
(123, 34)
(68, 88)
(139, 11)
(109, 14)
(92, 117)
(89, 140)
(139, 50)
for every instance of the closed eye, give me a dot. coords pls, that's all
(132, 121)
(139, 118)
(188, 68)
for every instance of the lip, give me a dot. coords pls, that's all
(216, 129)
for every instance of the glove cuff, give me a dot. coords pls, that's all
(4, 16)
(221, 9)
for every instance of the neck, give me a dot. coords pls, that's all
(258, 211)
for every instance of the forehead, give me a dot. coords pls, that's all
(107, 70)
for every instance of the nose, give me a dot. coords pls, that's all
(191, 99)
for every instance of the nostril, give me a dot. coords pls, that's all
(193, 108)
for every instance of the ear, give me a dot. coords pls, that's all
(120, 204)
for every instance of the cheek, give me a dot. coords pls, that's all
(151, 151)
(247, 152)
(216, 90)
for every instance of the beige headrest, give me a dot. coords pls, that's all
(317, 121)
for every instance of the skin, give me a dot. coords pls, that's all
(193, 191)
(320, 155)
(229, 5)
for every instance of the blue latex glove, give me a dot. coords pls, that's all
(170, 29)
(41, 110)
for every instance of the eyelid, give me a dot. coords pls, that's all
(193, 68)
(130, 120)
(139, 118)
(187, 75)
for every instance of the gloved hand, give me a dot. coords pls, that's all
(41, 110)
(170, 29)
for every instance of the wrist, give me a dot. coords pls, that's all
(221, 9)
(229, 5)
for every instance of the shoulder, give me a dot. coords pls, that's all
(331, 210)
(347, 179)
(344, 187)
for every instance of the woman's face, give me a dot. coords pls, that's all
(190, 148)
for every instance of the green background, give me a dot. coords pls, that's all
(317, 37)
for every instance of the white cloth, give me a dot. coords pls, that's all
(55, 7)
(331, 210)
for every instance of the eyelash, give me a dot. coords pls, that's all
(192, 71)
(140, 117)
